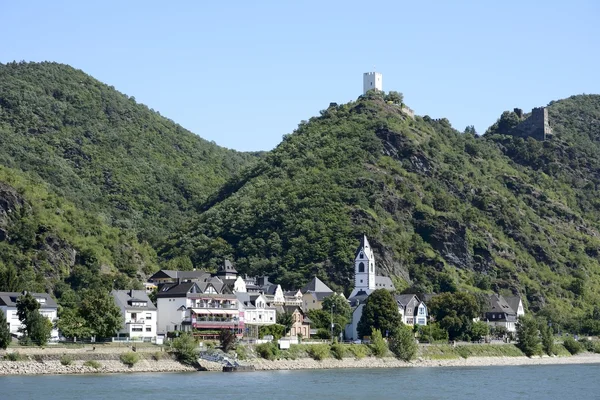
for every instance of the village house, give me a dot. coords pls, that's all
(140, 316)
(256, 309)
(8, 305)
(412, 310)
(198, 306)
(301, 323)
(503, 311)
(313, 294)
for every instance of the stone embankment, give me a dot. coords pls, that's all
(77, 367)
(371, 362)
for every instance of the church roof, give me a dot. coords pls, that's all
(364, 244)
(384, 282)
(316, 285)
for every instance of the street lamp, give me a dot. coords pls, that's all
(332, 324)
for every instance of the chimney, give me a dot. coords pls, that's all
(130, 292)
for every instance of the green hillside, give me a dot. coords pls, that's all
(104, 152)
(47, 244)
(443, 210)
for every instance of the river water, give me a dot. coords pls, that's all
(564, 382)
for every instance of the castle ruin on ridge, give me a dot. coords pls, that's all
(536, 126)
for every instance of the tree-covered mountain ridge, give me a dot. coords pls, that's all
(444, 210)
(105, 152)
(91, 181)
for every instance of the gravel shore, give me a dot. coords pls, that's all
(112, 365)
(371, 362)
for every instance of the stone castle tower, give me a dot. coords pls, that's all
(372, 80)
(535, 126)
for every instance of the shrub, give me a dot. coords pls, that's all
(92, 364)
(130, 358)
(338, 350)
(318, 352)
(572, 345)
(210, 344)
(157, 355)
(66, 359)
(15, 356)
(268, 351)
(378, 345)
(359, 350)
(186, 347)
(242, 352)
(463, 351)
(403, 344)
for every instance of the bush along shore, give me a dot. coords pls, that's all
(268, 356)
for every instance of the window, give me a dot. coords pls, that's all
(133, 315)
(409, 311)
(361, 255)
(421, 310)
(361, 281)
(361, 267)
(148, 316)
(148, 329)
(136, 329)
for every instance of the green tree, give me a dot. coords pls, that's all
(9, 279)
(35, 327)
(341, 313)
(402, 343)
(186, 347)
(394, 97)
(528, 335)
(380, 312)
(101, 314)
(26, 306)
(547, 337)
(479, 330)
(286, 320)
(378, 346)
(40, 329)
(5, 336)
(72, 325)
(228, 339)
(454, 312)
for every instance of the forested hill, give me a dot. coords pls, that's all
(443, 210)
(104, 152)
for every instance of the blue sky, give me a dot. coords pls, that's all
(244, 73)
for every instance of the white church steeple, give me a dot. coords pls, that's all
(364, 268)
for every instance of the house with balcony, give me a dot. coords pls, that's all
(140, 316)
(256, 309)
(8, 305)
(200, 307)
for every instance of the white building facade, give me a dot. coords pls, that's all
(8, 305)
(140, 316)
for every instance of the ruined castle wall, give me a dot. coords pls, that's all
(536, 126)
